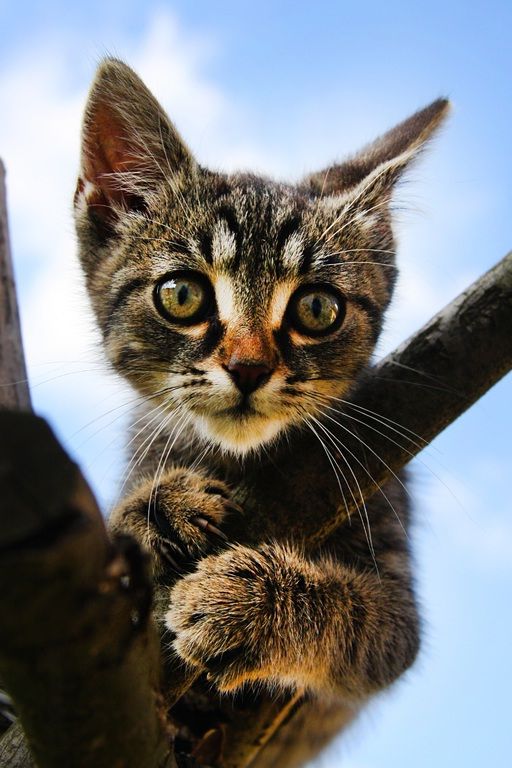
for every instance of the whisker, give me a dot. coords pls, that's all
(423, 446)
(377, 485)
(144, 448)
(400, 428)
(169, 445)
(324, 399)
(337, 443)
(335, 467)
(132, 401)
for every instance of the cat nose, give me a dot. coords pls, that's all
(248, 377)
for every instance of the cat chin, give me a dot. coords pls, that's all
(239, 436)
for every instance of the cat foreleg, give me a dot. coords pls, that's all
(271, 615)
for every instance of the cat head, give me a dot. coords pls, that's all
(238, 304)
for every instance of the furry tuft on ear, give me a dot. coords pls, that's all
(129, 145)
(380, 164)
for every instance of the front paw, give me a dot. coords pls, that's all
(230, 616)
(179, 520)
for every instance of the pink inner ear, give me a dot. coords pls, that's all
(107, 149)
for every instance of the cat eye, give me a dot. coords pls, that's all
(184, 297)
(317, 310)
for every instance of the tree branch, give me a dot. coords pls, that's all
(78, 651)
(14, 391)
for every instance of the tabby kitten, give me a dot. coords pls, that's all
(240, 310)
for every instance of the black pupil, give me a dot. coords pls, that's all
(316, 307)
(182, 294)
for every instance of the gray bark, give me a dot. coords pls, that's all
(14, 391)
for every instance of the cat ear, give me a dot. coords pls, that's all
(373, 171)
(129, 145)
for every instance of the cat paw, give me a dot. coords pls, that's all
(178, 520)
(225, 616)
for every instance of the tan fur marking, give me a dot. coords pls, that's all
(279, 302)
(224, 294)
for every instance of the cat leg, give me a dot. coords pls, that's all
(177, 520)
(272, 615)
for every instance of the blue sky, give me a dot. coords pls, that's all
(284, 88)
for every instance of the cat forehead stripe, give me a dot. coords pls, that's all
(224, 248)
(292, 252)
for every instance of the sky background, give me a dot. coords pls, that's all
(285, 88)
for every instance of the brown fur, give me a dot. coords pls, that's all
(341, 624)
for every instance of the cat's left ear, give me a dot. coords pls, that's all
(129, 145)
(371, 174)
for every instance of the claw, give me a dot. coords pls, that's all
(209, 747)
(231, 505)
(165, 551)
(181, 552)
(161, 521)
(215, 489)
(7, 707)
(203, 523)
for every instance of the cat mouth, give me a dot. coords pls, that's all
(242, 409)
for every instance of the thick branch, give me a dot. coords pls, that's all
(14, 391)
(78, 651)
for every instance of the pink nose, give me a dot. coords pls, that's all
(248, 376)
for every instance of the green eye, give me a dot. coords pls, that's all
(184, 298)
(317, 310)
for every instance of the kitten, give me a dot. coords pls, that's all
(240, 309)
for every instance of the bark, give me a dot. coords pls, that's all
(14, 391)
(83, 674)
(79, 653)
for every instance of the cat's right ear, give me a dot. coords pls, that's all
(129, 146)
(371, 174)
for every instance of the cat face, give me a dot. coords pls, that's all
(236, 304)
(245, 309)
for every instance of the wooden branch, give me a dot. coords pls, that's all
(14, 391)
(79, 653)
